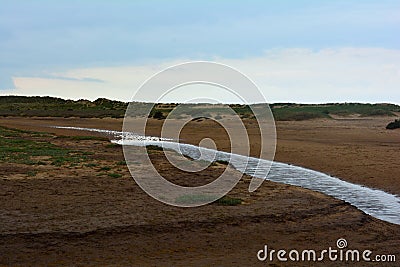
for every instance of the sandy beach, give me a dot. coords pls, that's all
(86, 215)
(358, 150)
(199, 133)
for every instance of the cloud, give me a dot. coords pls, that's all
(283, 75)
(61, 35)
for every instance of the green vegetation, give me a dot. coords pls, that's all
(393, 125)
(100, 108)
(114, 175)
(158, 115)
(7, 132)
(112, 145)
(306, 112)
(57, 107)
(91, 165)
(228, 201)
(193, 199)
(283, 111)
(18, 146)
(289, 115)
(79, 138)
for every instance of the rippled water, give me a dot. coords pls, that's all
(375, 202)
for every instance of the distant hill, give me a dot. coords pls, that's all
(102, 107)
(58, 107)
(285, 111)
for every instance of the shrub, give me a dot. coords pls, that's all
(224, 162)
(377, 112)
(158, 115)
(300, 116)
(393, 125)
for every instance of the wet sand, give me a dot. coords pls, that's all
(81, 216)
(357, 150)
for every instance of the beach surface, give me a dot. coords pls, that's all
(92, 213)
(358, 150)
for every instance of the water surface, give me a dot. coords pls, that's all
(374, 202)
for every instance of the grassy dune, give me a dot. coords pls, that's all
(100, 108)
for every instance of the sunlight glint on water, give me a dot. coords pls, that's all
(375, 202)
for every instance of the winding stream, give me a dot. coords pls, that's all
(374, 202)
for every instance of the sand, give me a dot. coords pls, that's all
(81, 216)
(359, 150)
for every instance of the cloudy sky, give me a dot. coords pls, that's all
(295, 51)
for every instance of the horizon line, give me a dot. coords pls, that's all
(228, 103)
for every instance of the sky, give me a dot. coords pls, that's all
(295, 51)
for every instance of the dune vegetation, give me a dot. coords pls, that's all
(101, 108)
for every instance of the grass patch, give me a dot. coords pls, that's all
(112, 145)
(301, 116)
(91, 165)
(67, 159)
(193, 199)
(105, 168)
(13, 132)
(83, 137)
(114, 175)
(228, 201)
(15, 147)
